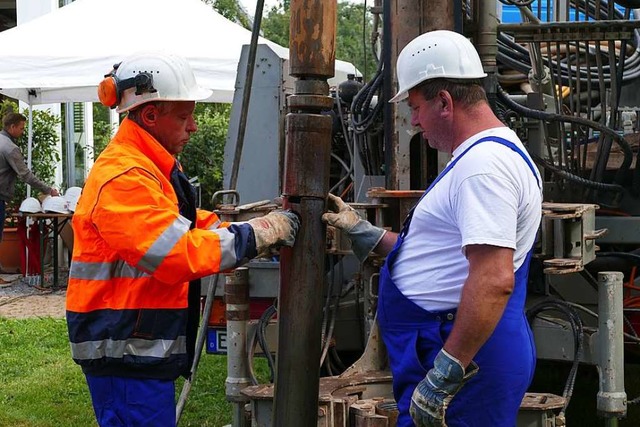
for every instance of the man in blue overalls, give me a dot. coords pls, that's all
(452, 290)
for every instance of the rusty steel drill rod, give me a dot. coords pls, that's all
(305, 187)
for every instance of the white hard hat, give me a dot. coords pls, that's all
(71, 196)
(436, 54)
(161, 77)
(55, 204)
(31, 205)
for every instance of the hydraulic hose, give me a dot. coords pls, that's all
(516, 56)
(600, 186)
(543, 115)
(578, 337)
(262, 340)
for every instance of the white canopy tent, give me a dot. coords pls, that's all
(62, 56)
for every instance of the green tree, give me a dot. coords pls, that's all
(102, 129)
(353, 44)
(275, 26)
(203, 156)
(231, 10)
(44, 150)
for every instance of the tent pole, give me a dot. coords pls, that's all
(29, 145)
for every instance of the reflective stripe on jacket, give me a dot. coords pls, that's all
(133, 257)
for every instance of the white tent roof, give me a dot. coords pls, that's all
(62, 56)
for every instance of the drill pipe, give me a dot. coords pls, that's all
(305, 186)
(302, 272)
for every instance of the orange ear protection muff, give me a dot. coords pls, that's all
(111, 87)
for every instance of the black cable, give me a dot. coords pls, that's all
(521, 3)
(330, 314)
(327, 365)
(517, 57)
(578, 337)
(627, 255)
(261, 332)
(348, 143)
(545, 116)
(363, 115)
(575, 178)
(333, 352)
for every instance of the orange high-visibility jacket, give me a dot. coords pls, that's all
(133, 257)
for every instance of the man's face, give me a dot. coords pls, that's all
(16, 130)
(428, 115)
(174, 125)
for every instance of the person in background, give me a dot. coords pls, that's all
(453, 287)
(12, 164)
(141, 245)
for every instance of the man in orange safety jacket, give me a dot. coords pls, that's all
(141, 245)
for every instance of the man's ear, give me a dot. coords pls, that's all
(445, 102)
(149, 114)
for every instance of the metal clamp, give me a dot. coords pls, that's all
(235, 201)
(568, 237)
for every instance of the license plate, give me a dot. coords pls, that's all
(217, 340)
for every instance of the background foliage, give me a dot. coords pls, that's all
(353, 44)
(231, 10)
(204, 155)
(44, 155)
(102, 130)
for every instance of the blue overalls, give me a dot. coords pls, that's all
(413, 337)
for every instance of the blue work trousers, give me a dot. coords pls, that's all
(132, 402)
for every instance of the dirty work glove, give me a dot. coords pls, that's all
(433, 394)
(364, 237)
(277, 228)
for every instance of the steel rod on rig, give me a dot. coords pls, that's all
(305, 188)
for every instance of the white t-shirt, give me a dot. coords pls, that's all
(490, 197)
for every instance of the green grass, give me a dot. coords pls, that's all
(41, 386)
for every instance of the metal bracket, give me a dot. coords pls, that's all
(568, 237)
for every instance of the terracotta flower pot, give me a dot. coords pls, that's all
(10, 250)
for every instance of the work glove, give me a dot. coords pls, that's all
(277, 228)
(364, 237)
(434, 393)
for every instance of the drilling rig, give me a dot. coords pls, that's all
(563, 74)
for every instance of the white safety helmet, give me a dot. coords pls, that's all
(150, 77)
(56, 204)
(436, 54)
(31, 205)
(71, 196)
